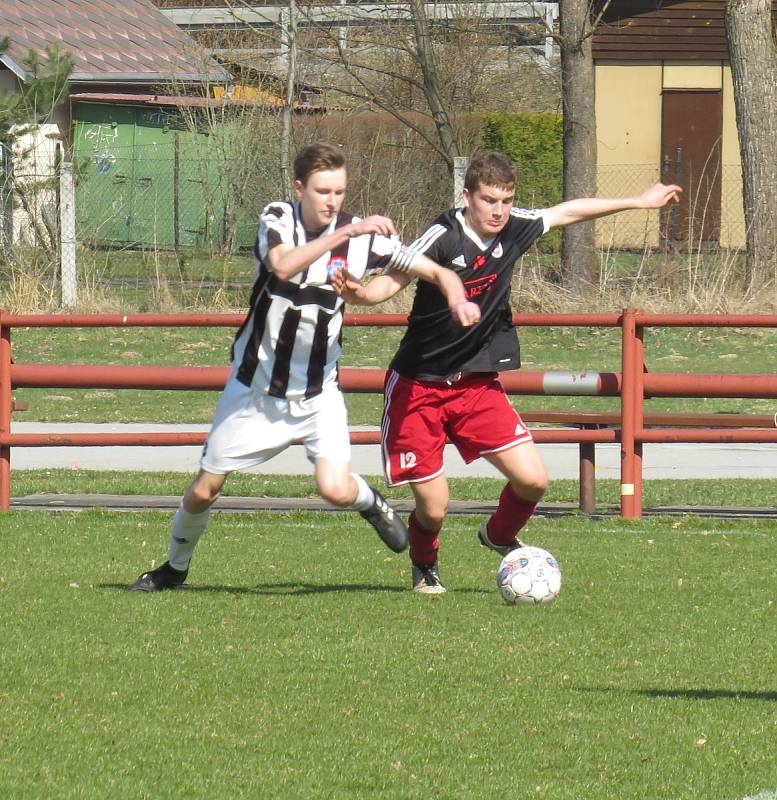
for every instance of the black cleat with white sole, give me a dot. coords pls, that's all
(502, 549)
(387, 523)
(159, 579)
(426, 579)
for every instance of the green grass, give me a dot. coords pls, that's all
(297, 664)
(577, 349)
(734, 493)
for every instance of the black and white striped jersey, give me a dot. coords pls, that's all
(434, 343)
(291, 340)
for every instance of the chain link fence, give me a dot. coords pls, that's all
(129, 230)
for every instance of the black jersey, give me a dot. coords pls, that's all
(435, 345)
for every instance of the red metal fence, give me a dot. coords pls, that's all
(632, 384)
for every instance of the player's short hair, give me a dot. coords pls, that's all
(490, 169)
(315, 158)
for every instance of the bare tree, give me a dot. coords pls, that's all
(391, 68)
(430, 80)
(578, 242)
(754, 70)
(578, 20)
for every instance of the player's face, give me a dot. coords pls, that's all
(487, 209)
(321, 197)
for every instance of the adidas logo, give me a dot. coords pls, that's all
(384, 507)
(459, 262)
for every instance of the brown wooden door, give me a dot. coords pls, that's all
(691, 131)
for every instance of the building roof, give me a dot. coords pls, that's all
(110, 41)
(184, 101)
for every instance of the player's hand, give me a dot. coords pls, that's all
(349, 288)
(466, 313)
(659, 195)
(374, 224)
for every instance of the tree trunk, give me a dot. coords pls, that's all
(431, 83)
(578, 253)
(754, 69)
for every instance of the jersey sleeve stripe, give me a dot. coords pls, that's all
(527, 213)
(427, 239)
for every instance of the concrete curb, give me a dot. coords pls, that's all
(138, 503)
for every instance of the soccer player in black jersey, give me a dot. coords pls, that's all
(443, 380)
(283, 384)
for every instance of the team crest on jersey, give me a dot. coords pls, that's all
(498, 252)
(335, 263)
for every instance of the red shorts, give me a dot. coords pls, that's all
(474, 413)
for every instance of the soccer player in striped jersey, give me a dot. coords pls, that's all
(443, 380)
(283, 384)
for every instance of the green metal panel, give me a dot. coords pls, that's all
(147, 179)
(104, 154)
(193, 189)
(153, 218)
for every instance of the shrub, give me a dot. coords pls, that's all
(534, 143)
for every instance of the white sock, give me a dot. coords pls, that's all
(187, 529)
(365, 497)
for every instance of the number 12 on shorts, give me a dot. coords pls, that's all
(407, 459)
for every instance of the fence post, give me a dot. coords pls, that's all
(628, 413)
(6, 202)
(639, 413)
(460, 164)
(6, 400)
(587, 475)
(67, 226)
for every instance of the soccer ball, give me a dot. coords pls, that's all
(528, 575)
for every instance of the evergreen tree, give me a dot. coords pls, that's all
(21, 115)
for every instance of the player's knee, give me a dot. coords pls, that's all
(533, 487)
(336, 492)
(432, 517)
(200, 496)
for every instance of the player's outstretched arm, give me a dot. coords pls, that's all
(378, 290)
(585, 208)
(287, 261)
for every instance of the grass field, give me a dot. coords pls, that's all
(298, 664)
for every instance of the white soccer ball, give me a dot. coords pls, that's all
(528, 575)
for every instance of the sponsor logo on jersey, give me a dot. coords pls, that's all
(480, 285)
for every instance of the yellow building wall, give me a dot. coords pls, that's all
(628, 130)
(628, 134)
(732, 216)
(696, 75)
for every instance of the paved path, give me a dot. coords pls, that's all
(660, 460)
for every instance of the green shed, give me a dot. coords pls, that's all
(145, 178)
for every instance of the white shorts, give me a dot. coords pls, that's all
(249, 428)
